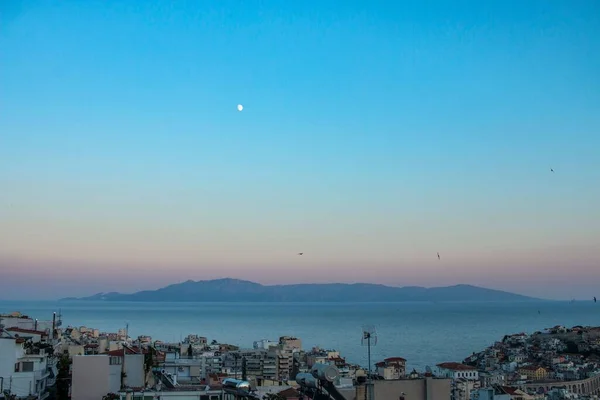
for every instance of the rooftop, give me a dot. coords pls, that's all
(30, 331)
(454, 366)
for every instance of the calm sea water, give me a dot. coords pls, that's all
(423, 333)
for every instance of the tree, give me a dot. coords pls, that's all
(62, 380)
(274, 396)
(572, 348)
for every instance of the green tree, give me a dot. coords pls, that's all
(63, 381)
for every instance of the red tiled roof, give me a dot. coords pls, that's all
(121, 352)
(454, 366)
(509, 390)
(20, 340)
(21, 330)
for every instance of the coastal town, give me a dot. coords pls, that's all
(41, 359)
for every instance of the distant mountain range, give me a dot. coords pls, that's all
(235, 290)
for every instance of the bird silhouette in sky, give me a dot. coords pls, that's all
(551, 170)
(300, 254)
(438, 256)
(594, 299)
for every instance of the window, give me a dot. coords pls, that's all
(27, 366)
(115, 361)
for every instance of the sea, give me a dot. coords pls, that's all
(425, 334)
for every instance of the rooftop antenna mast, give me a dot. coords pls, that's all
(369, 338)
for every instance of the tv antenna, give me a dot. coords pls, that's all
(369, 338)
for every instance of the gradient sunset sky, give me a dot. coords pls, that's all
(374, 135)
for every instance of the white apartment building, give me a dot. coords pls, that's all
(465, 379)
(22, 374)
(264, 344)
(94, 376)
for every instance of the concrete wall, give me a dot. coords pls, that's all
(114, 378)
(102, 345)
(413, 389)
(22, 384)
(90, 377)
(8, 358)
(76, 350)
(134, 368)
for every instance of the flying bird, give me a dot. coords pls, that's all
(594, 299)
(551, 170)
(438, 256)
(300, 254)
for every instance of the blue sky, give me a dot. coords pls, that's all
(374, 134)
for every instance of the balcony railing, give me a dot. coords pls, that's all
(42, 374)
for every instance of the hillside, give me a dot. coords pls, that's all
(235, 290)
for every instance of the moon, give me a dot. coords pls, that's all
(240, 107)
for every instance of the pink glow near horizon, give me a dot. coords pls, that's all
(79, 278)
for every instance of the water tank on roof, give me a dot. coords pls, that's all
(236, 384)
(325, 372)
(306, 380)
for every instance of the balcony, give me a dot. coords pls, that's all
(41, 375)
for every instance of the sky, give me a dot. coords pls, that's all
(373, 136)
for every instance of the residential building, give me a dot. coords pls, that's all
(493, 393)
(489, 379)
(455, 370)
(95, 376)
(465, 379)
(32, 335)
(320, 356)
(18, 320)
(405, 389)
(23, 374)
(290, 342)
(391, 368)
(108, 373)
(264, 344)
(534, 372)
(498, 392)
(201, 393)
